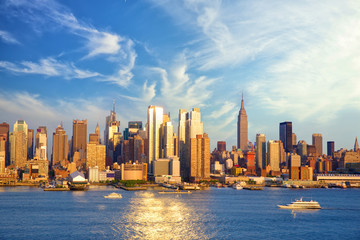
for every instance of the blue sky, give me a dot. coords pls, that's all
(295, 61)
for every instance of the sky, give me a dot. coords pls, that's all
(294, 61)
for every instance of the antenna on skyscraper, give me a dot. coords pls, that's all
(61, 124)
(113, 105)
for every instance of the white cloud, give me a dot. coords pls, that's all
(7, 37)
(48, 67)
(42, 14)
(225, 108)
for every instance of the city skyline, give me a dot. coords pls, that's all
(68, 60)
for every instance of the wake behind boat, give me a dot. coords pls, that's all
(300, 204)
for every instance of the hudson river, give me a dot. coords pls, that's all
(30, 213)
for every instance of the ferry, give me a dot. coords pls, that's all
(300, 204)
(237, 186)
(113, 195)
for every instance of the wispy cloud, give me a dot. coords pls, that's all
(7, 37)
(44, 13)
(48, 67)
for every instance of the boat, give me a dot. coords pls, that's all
(113, 196)
(300, 204)
(253, 188)
(286, 185)
(237, 186)
(177, 191)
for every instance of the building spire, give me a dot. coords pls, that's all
(113, 105)
(356, 145)
(242, 101)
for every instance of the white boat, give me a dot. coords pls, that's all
(113, 195)
(286, 185)
(237, 186)
(300, 204)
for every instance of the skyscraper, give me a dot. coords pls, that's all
(194, 139)
(199, 158)
(330, 148)
(154, 123)
(221, 146)
(60, 149)
(182, 133)
(30, 144)
(4, 141)
(79, 139)
(294, 139)
(285, 135)
(41, 143)
(260, 151)
(317, 142)
(168, 140)
(242, 128)
(112, 136)
(274, 155)
(96, 152)
(19, 145)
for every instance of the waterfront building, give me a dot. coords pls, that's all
(242, 128)
(30, 144)
(330, 148)
(79, 142)
(41, 143)
(4, 141)
(274, 154)
(285, 135)
(134, 171)
(19, 145)
(60, 146)
(2, 161)
(317, 142)
(155, 116)
(38, 169)
(93, 174)
(221, 146)
(260, 151)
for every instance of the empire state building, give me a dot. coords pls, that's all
(242, 128)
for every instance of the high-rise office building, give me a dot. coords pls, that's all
(4, 141)
(112, 136)
(41, 143)
(285, 135)
(302, 148)
(199, 148)
(96, 152)
(181, 134)
(194, 139)
(168, 140)
(242, 128)
(2, 161)
(317, 142)
(260, 151)
(60, 146)
(330, 148)
(294, 139)
(79, 139)
(221, 146)
(155, 116)
(273, 149)
(19, 145)
(30, 144)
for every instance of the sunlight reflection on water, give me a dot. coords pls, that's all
(152, 216)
